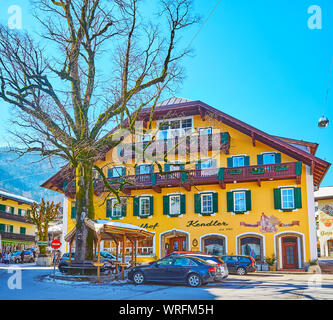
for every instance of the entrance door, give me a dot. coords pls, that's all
(289, 253)
(177, 244)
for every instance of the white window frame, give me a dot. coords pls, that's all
(146, 165)
(238, 157)
(201, 200)
(113, 201)
(234, 196)
(170, 132)
(293, 194)
(114, 169)
(140, 206)
(267, 154)
(205, 128)
(174, 196)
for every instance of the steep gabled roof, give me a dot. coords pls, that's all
(318, 166)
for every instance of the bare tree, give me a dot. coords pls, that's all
(109, 62)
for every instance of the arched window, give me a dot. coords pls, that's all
(251, 246)
(214, 245)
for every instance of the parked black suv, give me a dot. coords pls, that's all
(240, 264)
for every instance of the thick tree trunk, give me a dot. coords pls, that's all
(84, 209)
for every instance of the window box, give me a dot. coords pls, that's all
(238, 171)
(258, 170)
(281, 168)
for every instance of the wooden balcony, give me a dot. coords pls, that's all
(16, 236)
(14, 217)
(178, 145)
(189, 178)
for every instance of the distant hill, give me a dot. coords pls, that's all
(25, 175)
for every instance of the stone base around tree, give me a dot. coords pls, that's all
(44, 261)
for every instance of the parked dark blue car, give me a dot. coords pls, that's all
(182, 268)
(240, 264)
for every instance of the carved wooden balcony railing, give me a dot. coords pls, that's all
(188, 178)
(16, 236)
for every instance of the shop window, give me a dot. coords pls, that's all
(251, 246)
(214, 245)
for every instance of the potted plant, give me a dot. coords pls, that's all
(313, 266)
(271, 262)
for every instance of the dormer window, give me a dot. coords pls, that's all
(172, 128)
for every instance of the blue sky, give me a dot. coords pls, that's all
(257, 61)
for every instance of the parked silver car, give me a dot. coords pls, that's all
(28, 257)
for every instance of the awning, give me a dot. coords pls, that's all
(112, 230)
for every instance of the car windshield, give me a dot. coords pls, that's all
(16, 253)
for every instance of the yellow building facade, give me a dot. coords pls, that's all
(15, 232)
(324, 216)
(246, 192)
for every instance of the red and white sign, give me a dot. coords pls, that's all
(56, 244)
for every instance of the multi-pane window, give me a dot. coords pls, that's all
(144, 206)
(207, 130)
(172, 128)
(116, 209)
(239, 201)
(238, 161)
(9, 209)
(287, 198)
(117, 172)
(268, 158)
(174, 205)
(206, 203)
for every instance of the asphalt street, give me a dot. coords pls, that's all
(34, 283)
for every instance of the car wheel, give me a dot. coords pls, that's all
(194, 280)
(241, 271)
(138, 278)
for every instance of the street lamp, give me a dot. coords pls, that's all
(323, 122)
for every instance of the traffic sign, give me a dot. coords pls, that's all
(56, 244)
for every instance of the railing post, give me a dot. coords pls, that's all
(153, 178)
(221, 174)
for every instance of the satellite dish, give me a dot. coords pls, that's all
(323, 122)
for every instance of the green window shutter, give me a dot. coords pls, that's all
(2, 207)
(298, 168)
(182, 204)
(2, 227)
(298, 198)
(124, 208)
(110, 173)
(167, 167)
(12, 210)
(225, 138)
(277, 157)
(197, 203)
(108, 208)
(73, 211)
(153, 178)
(277, 198)
(221, 174)
(260, 159)
(151, 205)
(19, 212)
(22, 230)
(135, 206)
(246, 161)
(215, 202)
(166, 207)
(11, 229)
(230, 201)
(230, 163)
(248, 200)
